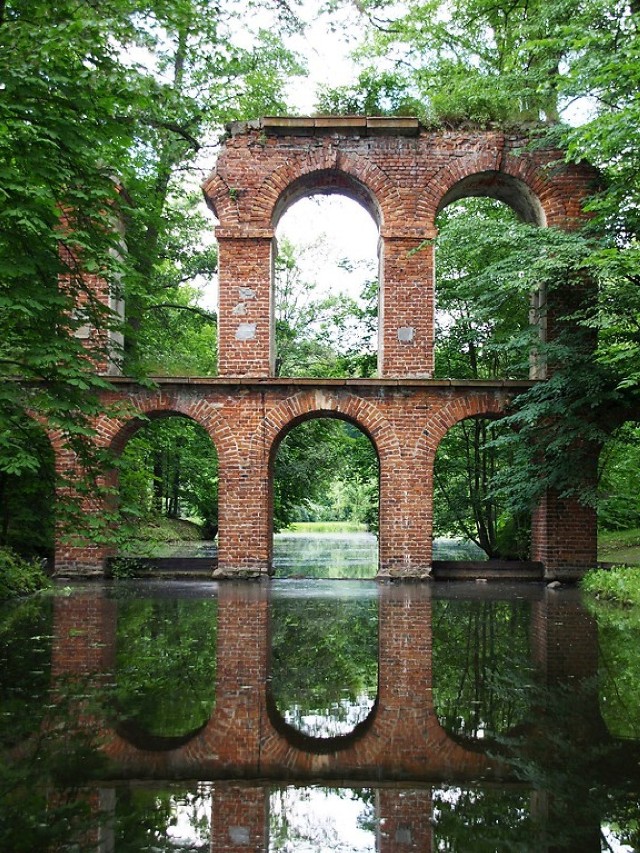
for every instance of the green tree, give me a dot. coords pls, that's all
(311, 459)
(104, 109)
(322, 335)
(170, 469)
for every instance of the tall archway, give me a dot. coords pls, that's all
(471, 522)
(167, 473)
(490, 310)
(324, 480)
(325, 278)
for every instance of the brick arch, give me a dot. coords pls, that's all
(481, 405)
(517, 181)
(321, 403)
(369, 185)
(219, 199)
(115, 432)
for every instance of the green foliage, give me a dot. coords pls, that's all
(166, 664)
(330, 335)
(613, 597)
(468, 461)
(478, 647)
(619, 584)
(469, 62)
(484, 291)
(25, 666)
(619, 481)
(324, 655)
(104, 111)
(327, 470)
(169, 468)
(19, 576)
(27, 490)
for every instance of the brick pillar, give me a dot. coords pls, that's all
(564, 537)
(84, 636)
(245, 316)
(239, 819)
(405, 675)
(244, 533)
(404, 821)
(76, 552)
(406, 521)
(406, 304)
(242, 649)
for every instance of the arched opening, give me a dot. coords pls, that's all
(482, 669)
(325, 500)
(168, 487)
(165, 668)
(471, 520)
(325, 282)
(489, 313)
(27, 493)
(323, 672)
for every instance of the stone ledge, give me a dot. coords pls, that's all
(312, 382)
(326, 124)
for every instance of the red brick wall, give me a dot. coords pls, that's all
(403, 175)
(247, 420)
(239, 819)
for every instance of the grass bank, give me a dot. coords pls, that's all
(620, 585)
(620, 546)
(326, 527)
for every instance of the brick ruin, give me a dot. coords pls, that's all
(403, 175)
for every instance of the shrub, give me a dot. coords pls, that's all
(19, 576)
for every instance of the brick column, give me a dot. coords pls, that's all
(76, 552)
(405, 821)
(239, 819)
(245, 324)
(406, 304)
(564, 537)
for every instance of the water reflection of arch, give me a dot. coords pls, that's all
(403, 739)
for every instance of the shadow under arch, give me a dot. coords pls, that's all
(501, 186)
(318, 745)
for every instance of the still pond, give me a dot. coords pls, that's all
(318, 715)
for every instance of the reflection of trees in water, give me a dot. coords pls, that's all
(25, 667)
(324, 661)
(478, 648)
(483, 820)
(166, 820)
(166, 664)
(619, 667)
(342, 820)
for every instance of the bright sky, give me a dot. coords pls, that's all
(326, 52)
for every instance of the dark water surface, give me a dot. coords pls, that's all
(310, 715)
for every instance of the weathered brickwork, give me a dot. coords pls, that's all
(403, 175)
(247, 421)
